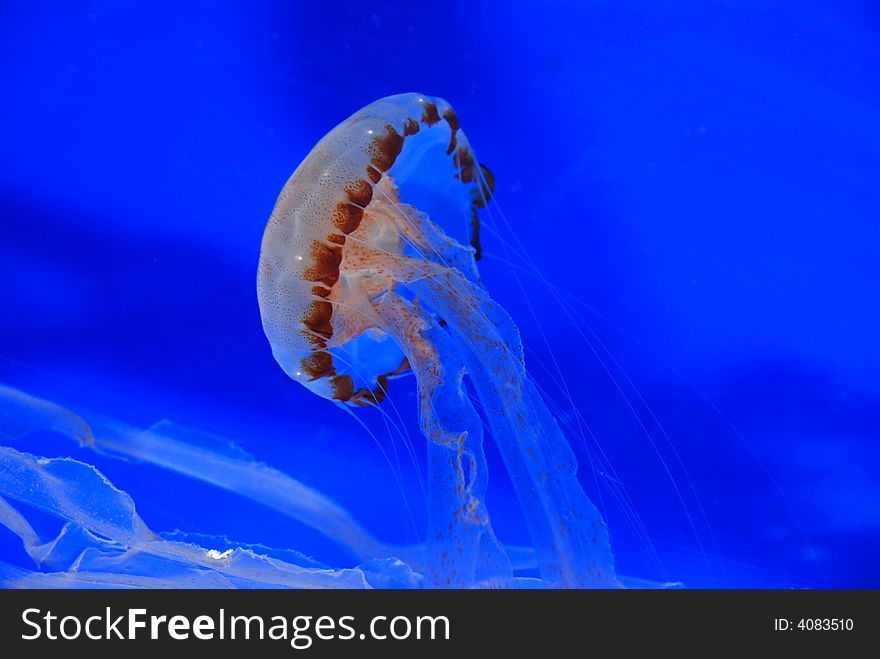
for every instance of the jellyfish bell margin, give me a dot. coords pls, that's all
(361, 277)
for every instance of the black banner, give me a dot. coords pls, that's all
(401, 623)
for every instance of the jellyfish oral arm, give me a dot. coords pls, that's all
(570, 538)
(462, 549)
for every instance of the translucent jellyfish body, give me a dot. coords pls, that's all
(367, 270)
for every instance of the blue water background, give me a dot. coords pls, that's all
(703, 176)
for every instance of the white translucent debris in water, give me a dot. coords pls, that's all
(215, 460)
(15, 577)
(16, 522)
(204, 540)
(105, 544)
(218, 555)
(123, 545)
(22, 414)
(196, 454)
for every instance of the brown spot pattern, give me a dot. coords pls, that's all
(410, 127)
(451, 119)
(324, 264)
(429, 114)
(373, 174)
(384, 149)
(346, 217)
(318, 318)
(318, 364)
(479, 196)
(341, 387)
(464, 162)
(359, 192)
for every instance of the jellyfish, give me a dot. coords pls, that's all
(367, 272)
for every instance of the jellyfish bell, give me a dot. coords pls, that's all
(367, 270)
(335, 229)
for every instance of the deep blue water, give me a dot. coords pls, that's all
(703, 177)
